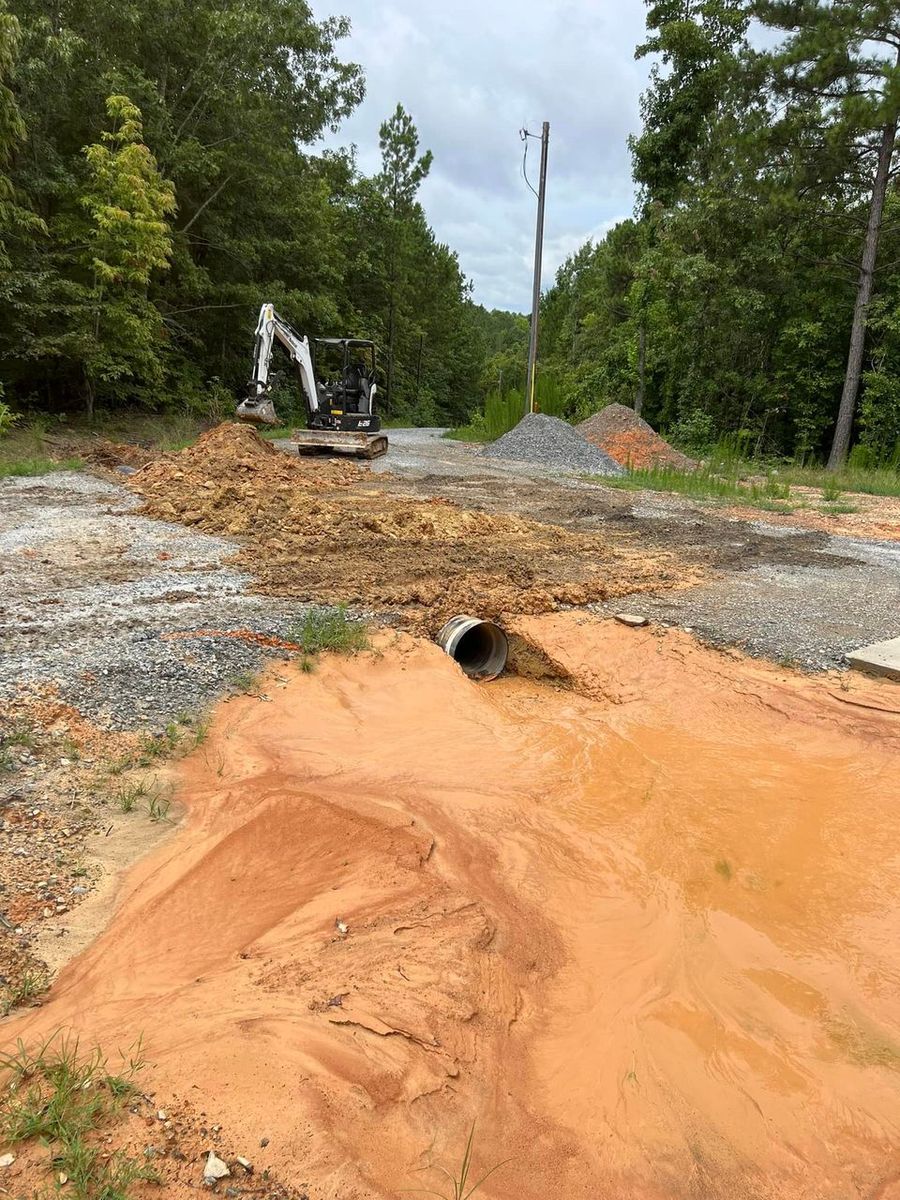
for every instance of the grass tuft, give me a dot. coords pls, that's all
(31, 983)
(328, 629)
(458, 1186)
(128, 796)
(61, 1097)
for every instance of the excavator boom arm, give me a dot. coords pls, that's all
(271, 328)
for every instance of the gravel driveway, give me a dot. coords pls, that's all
(88, 590)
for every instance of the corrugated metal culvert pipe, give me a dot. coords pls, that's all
(480, 647)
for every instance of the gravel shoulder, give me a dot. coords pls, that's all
(90, 594)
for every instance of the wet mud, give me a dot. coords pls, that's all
(642, 927)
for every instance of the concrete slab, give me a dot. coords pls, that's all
(881, 658)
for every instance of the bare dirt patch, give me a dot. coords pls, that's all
(876, 517)
(322, 531)
(75, 808)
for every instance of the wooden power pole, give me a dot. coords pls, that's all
(538, 254)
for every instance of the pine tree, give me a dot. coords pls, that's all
(842, 59)
(402, 173)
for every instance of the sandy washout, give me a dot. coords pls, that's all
(642, 927)
(332, 531)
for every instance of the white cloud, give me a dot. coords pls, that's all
(471, 74)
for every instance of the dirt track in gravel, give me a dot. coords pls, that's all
(643, 979)
(333, 532)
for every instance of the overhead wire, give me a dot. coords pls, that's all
(525, 135)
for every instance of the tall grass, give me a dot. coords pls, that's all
(706, 483)
(504, 410)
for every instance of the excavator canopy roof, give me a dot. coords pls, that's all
(343, 342)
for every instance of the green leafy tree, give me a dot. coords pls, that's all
(696, 42)
(15, 218)
(127, 204)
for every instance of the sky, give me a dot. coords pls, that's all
(472, 74)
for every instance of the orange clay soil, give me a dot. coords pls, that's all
(644, 928)
(333, 532)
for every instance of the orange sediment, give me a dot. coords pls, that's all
(643, 929)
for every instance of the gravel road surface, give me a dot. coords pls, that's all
(89, 593)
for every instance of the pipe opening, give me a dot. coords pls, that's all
(480, 647)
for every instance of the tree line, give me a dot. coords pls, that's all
(160, 178)
(756, 292)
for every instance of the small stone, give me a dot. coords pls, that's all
(7, 1160)
(263, 1142)
(232, 1191)
(65, 762)
(162, 1115)
(63, 1178)
(633, 620)
(215, 1169)
(245, 1163)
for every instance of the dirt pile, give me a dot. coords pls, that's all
(643, 978)
(326, 531)
(630, 441)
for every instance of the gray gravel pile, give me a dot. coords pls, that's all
(553, 444)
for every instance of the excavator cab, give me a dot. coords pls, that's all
(345, 374)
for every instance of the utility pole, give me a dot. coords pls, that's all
(538, 254)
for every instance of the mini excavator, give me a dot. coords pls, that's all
(341, 416)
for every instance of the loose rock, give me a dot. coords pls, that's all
(215, 1169)
(631, 619)
(552, 443)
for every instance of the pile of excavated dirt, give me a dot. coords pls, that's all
(642, 929)
(553, 444)
(627, 438)
(325, 531)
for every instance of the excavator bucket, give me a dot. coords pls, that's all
(334, 441)
(257, 411)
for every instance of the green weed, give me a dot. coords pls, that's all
(62, 1097)
(127, 797)
(329, 629)
(30, 984)
(160, 745)
(37, 466)
(246, 682)
(199, 734)
(458, 1186)
(20, 733)
(158, 808)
